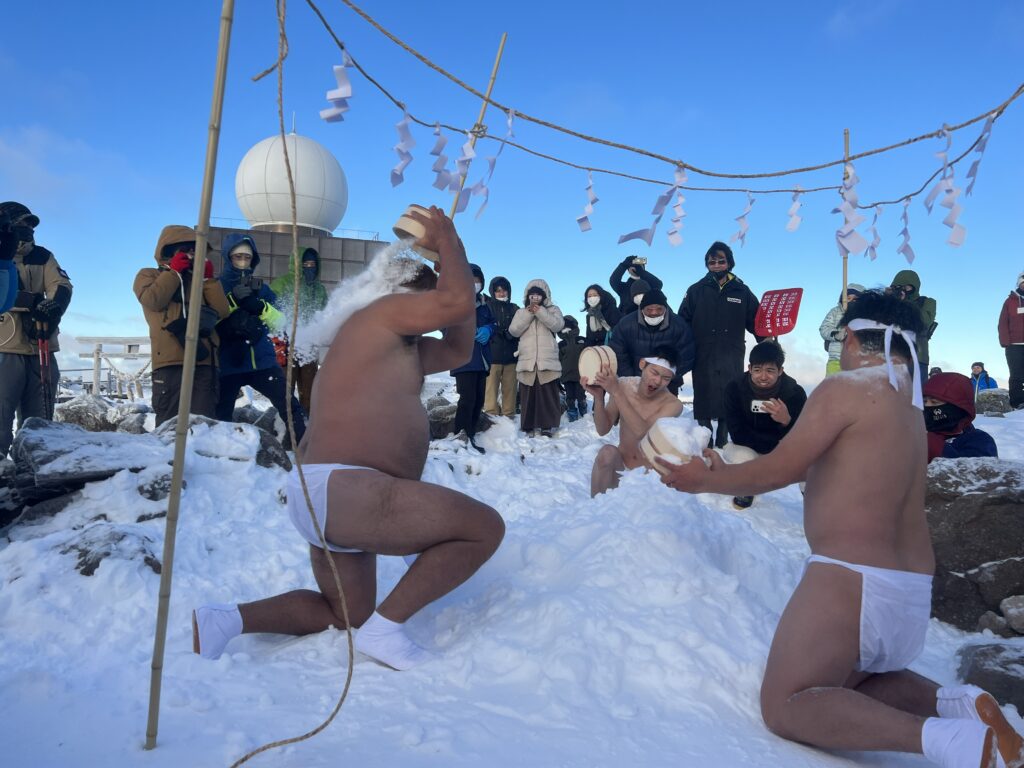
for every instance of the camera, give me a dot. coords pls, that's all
(757, 406)
(639, 261)
(251, 281)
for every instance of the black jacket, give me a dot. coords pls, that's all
(569, 347)
(633, 339)
(503, 343)
(719, 317)
(607, 311)
(621, 287)
(759, 430)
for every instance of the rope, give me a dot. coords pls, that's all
(996, 113)
(279, 66)
(655, 155)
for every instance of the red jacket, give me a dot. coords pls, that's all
(1011, 320)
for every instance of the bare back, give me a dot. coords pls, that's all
(366, 400)
(864, 500)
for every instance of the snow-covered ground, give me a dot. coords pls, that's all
(627, 630)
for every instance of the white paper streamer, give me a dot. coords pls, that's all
(458, 179)
(905, 248)
(794, 219)
(950, 192)
(872, 251)
(675, 236)
(405, 143)
(481, 188)
(584, 220)
(979, 150)
(741, 233)
(647, 235)
(848, 239)
(339, 96)
(440, 167)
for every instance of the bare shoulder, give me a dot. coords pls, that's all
(670, 405)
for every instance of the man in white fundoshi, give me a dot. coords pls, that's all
(363, 456)
(837, 675)
(636, 403)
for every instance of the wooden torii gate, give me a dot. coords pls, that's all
(130, 349)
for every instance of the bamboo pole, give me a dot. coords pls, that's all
(188, 371)
(480, 119)
(846, 256)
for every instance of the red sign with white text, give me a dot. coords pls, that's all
(778, 311)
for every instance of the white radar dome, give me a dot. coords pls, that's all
(261, 184)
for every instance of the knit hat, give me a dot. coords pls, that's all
(720, 246)
(980, 365)
(639, 286)
(654, 297)
(17, 211)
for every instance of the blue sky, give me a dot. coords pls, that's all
(106, 137)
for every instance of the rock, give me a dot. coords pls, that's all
(133, 424)
(993, 401)
(996, 667)
(269, 453)
(250, 414)
(95, 544)
(436, 402)
(442, 421)
(158, 488)
(995, 624)
(975, 510)
(272, 453)
(91, 412)
(1013, 610)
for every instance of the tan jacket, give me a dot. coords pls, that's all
(538, 345)
(38, 272)
(160, 293)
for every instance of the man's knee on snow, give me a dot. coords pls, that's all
(608, 458)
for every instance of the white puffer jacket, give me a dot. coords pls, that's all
(538, 345)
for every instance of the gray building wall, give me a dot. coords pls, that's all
(340, 257)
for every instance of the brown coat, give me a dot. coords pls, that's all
(160, 291)
(38, 272)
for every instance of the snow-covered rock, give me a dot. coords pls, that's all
(996, 667)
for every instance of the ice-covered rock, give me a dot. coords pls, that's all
(1013, 611)
(990, 401)
(996, 667)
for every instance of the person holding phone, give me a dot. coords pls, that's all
(761, 407)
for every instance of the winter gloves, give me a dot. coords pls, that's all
(182, 262)
(483, 334)
(47, 311)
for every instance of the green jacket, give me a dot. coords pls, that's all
(925, 305)
(312, 296)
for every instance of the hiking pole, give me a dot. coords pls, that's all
(43, 337)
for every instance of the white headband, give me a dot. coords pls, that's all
(660, 361)
(863, 324)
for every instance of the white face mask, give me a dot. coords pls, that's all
(593, 301)
(479, 287)
(501, 298)
(638, 298)
(653, 320)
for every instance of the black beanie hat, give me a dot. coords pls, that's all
(639, 286)
(720, 246)
(16, 210)
(654, 297)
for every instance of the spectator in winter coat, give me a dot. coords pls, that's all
(980, 379)
(832, 333)
(502, 377)
(164, 294)
(635, 403)
(761, 406)
(633, 268)
(948, 416)
(8, 271)
(538, 369)
(569, 349)
(312, 299)
(38, 293)
(247, 356)
(639, 333)
(907, 286)
(719, 308)
(1011, 338)
(471, 378)
(602, 315)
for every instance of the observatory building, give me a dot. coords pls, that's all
(321, 197)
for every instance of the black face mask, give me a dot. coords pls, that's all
(22, 233)
(943, 418)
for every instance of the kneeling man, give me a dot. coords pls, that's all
(363, 455)
(761, 406)
(635, 402)
(837, 674)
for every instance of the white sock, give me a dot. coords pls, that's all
(957, 743)
(386, 641)
(216, 625)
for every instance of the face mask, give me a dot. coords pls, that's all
(638, 298)
(653, 320)
(942, 418)
(501, 298)
(309, 274)
(593, 301)
(23, 234)
(479, 287)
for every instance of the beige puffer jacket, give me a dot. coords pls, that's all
(538, 345)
